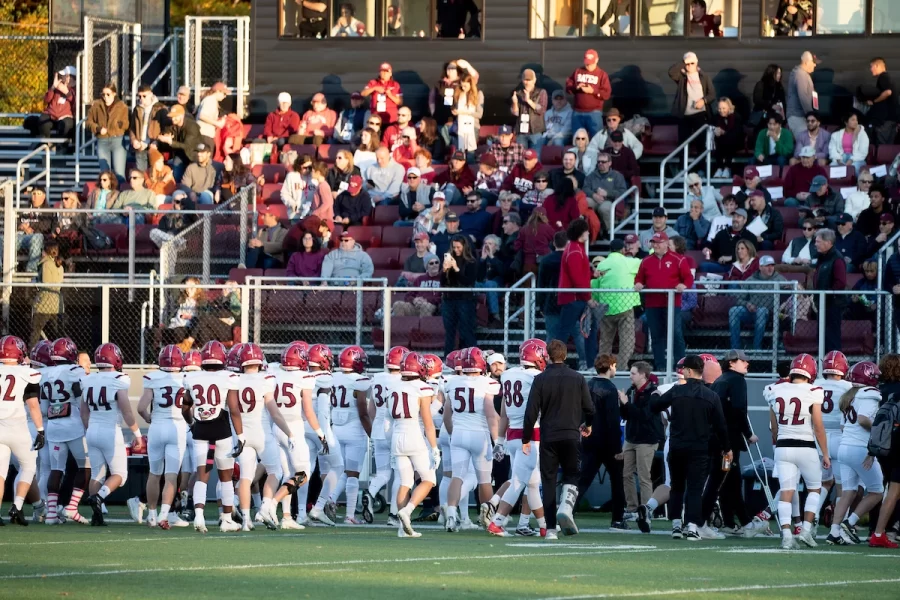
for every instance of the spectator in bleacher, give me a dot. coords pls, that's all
(849, 146)
(768, 97)
(622, 157)
(881, 97)
(862, 306)
(569, 168)
(58, 118)
(757, 207)
(722, 248)
(385, 95)
(266, 250)
(586, 212)
(745, 262)
(423, 163)
(323, 198)
(858, 200)
(850, 243)
(534, 240)
(364, 154)
(885, 232)
(729, 137)
(307, 262)
(506, 206)
(352, 205)
(351, 120)
(602, 187)
(414, 197)
(185, 316)
(393, 133)
(459, 270)
(801, 303)
(660, 225)
(534, 197)
(489, 179)
(560, 207)
(217, 317)
(160, 179)
(702, 23)
(107, 119)
(282, 123)
(339, 175)
(31, 229)
(173, 223)
(558, 120)
(755, 308)
(145, 125)
(105, 197)
(813, 136)
(826, 203)
(415, 263)
(868, 220)
(429, 138)
(229, 137)
(709, 197)
(138, 198)
(633, 247)
(491, 271)
(384, 178)
(752, 182)
(529, 103)
(800, 176)
(774, 145)
(831, 275)
(475, 222)
(692, 226)
(347, 25)
(506, 150)
(48, 309)
(580, 142)
(298, 187)
(317, 124)
(183, 99)
(441, 239)
(233, 177)
(801, 94)
(617, 272)
(425, 298)
(431, 220)
(801, 251)
(590, 89)
(509, 252)
(440, 98)
(574, 273)
(723, 221)
(208, 119)
(183, 137)
(67, 231)
(694, 96)
(200, 177)
(405, 153)
(348, 261)
(548, 278)
(602, 140)
(457, 181)
(468, 109)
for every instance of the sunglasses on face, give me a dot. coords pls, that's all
(433, 263)
(581, 139)
(374, 122)
(473, 201)
(602, 162)
(541, 181)
(813, 228)
(866, 180)
(412, 176)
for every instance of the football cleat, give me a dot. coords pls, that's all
(199, 523)
(550, 536)
(527, 531)
(259, 517)
(468, 525)
(643, 518)
(176, 521)
(850, 531)
(268, 516)
(247, 526)
(318, 515)
(151, 521)
(630, 516)
(40, 513)
(352, 521)
(2, 522)
(136, 509)
(880, 541)
(236, 517)
(836, 540)
(229, 526)
(405, 523)
(331, 510)
(619, 525)
(16, 517)
(789, 543)
(367, 502)
(75, 516)
(495, 529)
(807, 537)
(486, 513)
(427, 515)
(708, 532)
(289, 523)
(403, 534)
(676, 532)
(452, 524)
(96, 504)
(393, 521)
(761, 525)
(692, 535)
(566, 523)
(442, 516)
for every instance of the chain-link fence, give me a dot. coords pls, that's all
(112, 54)
(217, 49)
(29, 62)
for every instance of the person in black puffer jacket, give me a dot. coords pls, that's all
(643, 434)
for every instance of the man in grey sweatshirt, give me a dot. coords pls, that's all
(801, 94)
(348, 261)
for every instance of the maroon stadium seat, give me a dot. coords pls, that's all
(663, 140)
(271, 191)
(276, 273)
(273, 173)
(328, 152)
(392, 275)
(114, 231)
(857, 337)
(886, 154)
(429, 335)
(552, 155)
(301, 149)
(404, 254)
(798, 277)
(398, 237)
(849, 180)
(805, 338)
(366, 235)
(791, 216)
(386, 215)
(384, 258)
(712, 312)
(282, 306)
(240, 276)
(401, 330)
(852, 278)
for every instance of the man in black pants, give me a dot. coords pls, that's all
(696, 413)
(731, 387)
(560, 398)
(604, 445)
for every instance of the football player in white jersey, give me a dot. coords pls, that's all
(61, 390)
(444, 437)
(858, 405)
(105, 397)
(526, 475)
(210, 406)
(20, 384)
(192, 362)
(410, 406)
(351, 423)
(381, 435)
(160, 405)
(40, 359)
(796, 420)
(833, 384)
(256, 395)
(331, 462)
(470, 416)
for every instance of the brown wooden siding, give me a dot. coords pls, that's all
(638, 67)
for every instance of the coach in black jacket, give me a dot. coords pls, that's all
(560, 398)
(604, 445)
(696, 414)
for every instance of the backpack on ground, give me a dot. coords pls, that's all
(884, 426)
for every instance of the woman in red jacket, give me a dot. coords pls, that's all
(561, 207)
(745, 264)
(534, 240)
(574, 272)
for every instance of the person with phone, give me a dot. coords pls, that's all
(459, 270)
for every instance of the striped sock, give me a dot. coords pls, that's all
(75, 500)
(52, 500)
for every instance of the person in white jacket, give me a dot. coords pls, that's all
(858, 200)
(849, 146)
(558, 121)
(709, 196)
(600, 141)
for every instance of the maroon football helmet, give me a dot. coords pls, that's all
(252, 355)
(64, 351)
(213, 353)
(473, 361)
(108, 356)
(412, 365)
(864, 374)
(320, 356)
(395, 356)
(835, 363)
(805, 366)
(193, 360)
(294, 356)
(353, 359)
(170, 358)
(679, 367)
(533, 353)
(434, 366)
(233, 360)
(453, 360)
(12, 350)
(40, 354)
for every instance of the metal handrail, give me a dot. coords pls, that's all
(684, 148)
(613, 230)
(135, 84)
(45, 148)
(528, 277)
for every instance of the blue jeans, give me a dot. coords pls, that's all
(592, 121)
(35, 244)
(739, 315)
(551, 323)
(493, 298)
(453, 195)
(379, 197)
(713, 267)
(570, 326)
(206, 197)
(142, 159)
(257, 259)
(656, 321)
(459, 316)
(112, 155)
(178, 168)
(532, 140)
(560, 140)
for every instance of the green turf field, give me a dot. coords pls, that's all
(132, 561)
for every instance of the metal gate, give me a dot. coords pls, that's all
(218, 49)
(112, 53)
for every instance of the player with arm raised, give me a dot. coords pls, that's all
(105, 397)
(858, 406)
(475, 423)
(19, 389)
(160, 405)
(410, 405)
(210, 406)
(833, 384)
(796, 419)
(331, 462)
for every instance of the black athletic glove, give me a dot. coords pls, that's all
(238, 448)
(39, 440)
(324, 443)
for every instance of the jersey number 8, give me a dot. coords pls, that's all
(512, 393)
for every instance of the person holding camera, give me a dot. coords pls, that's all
(459, 270)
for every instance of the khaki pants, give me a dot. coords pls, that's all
(638, 457)
(417, 308)
(623, 323)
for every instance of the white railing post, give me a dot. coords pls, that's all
(9, 249)
(670, 334)
(207, 240)
(821, 329)
(245, 313)
(104, 313)
(386, 318)
(132, 220)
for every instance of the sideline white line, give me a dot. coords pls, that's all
(722, 590)
(93, 541)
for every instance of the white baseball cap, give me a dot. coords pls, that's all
(284, 97)
(70, 70)
(495, 358)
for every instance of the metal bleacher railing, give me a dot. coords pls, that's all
(687, 165)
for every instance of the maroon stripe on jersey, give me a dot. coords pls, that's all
(814, 388)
